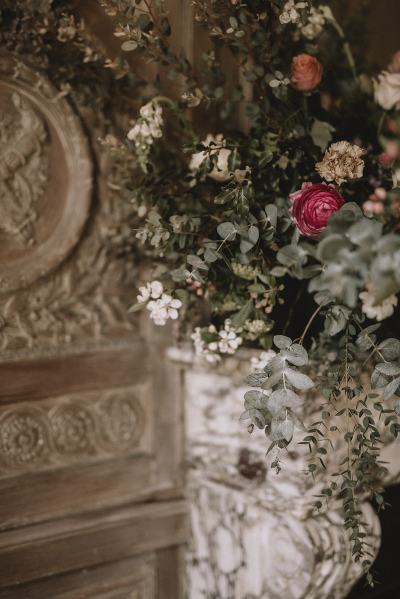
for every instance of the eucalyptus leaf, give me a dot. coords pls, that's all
(298, 379)
(282, 342)
(391, 388)
(227, 231)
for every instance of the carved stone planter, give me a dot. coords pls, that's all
(255, 533)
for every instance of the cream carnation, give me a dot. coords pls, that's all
(378, 311)
(341, 161)
(387, 90)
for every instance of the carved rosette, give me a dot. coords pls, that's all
(24, 438)
(122, 421)
(64, 430)
(73, 426)
(45, 175)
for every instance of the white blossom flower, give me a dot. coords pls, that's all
(201, 349)
(291, 13)
(163, 309)
(254, 328)
(261, 361)
(229, 341)
(147, 128)
(378, 311)
(226, 341)
(342, 161)
(387, 90)
(152, 290)
(316, 21)
(220, 171)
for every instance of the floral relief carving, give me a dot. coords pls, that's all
(24, 438)
(23, 169)
(63, 430)
(47, 296)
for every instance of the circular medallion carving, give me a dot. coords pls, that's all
(45, 176)
(122, 421)
(23, 437)
(73, 429)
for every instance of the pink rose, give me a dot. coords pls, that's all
(306, 72)
(312, 206)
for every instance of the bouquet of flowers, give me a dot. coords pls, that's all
(280, 233)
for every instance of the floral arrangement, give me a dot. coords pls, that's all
(291, 218)
(276, 225)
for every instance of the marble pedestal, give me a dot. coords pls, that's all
(255, 533)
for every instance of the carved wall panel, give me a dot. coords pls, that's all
(75, 428)
(85, 487)
(45, 174)
(63, 276)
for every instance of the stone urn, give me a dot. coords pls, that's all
(255, 533)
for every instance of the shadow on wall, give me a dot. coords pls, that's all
(382, 37)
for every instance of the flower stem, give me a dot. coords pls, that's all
(309, 323)
(346, 49)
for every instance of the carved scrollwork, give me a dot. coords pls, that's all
(64, 430)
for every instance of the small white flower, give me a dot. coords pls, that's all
(156, 289)
(316, 21)
(377, 311)
(152, 290)
(163, 309)
(261, 361)
(144, 294)
(291, 13)
(147, 128)
(220, 171)
(387, 90)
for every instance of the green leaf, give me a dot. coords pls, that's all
(137, 307)
(321, 133)
(390, 348)
(282, 342)
(272, 214)
(255, 379)
(240, 318)
(227, 231)
(282, 429)
(283, 398)
(388, 369)
(196, 262)
(296, 354)
(391, 388)
(298, 379)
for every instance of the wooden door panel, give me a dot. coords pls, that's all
(90, 417)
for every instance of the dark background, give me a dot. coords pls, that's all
(386, 568)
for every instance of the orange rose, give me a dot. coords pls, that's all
(306, 72)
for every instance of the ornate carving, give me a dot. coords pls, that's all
(45, 171)
(122, 423)
(64, 429)
(73, 428)
(23, 169)
(87, 297)
(24, 439)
